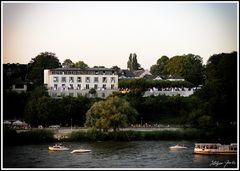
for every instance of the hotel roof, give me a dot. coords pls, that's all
(80, 69)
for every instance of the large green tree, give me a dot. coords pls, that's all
(158, 69)
(221, 86)
(37, 111)
(114, 113)
(116, 69)
(80, 64)
(67, 63)
(188, 66)
(45, 60)
(217, 106)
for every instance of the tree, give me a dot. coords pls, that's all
(116, 68)
(154, 70)
(135, 63)
(80, 64)
(37, 106)
(132, 63)
(129, 63)
(221, 86)
(217, 107)
(44, 110)
(37, 111)
(204, 121)
(38, 92)
(67, 63)
(45, 60)
(114, 113)
(92, 91)
(158, 69)
(188, 66)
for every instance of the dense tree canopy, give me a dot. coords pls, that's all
(46, 111)
(158, 69)
(114, 113)
(116, 68)
(67, 63)
(220, 88)
(188, 66)
(45, 60)
(14, 74)
(217, 100)
(80, 64)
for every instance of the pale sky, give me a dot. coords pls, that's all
(105, 33)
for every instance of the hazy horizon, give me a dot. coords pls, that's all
(105, 33)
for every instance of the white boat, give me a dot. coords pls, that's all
(215, 148)
(177, 147)
(80, 151)
(57, 148)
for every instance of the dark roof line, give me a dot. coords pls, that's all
(80, 69)
(175, 77)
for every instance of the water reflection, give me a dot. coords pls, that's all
(136, 154)
(215, 161)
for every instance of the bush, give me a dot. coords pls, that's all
(90, 135)
(77, 136)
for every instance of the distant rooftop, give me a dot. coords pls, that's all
(126, 73)
(137, 73)
(175, 76)
(80, 69)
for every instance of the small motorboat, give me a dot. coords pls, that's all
(80, 151)
(177, 147)
(57, 148)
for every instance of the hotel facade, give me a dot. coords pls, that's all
(78, 82)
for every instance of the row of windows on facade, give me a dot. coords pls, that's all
(87, 79)
(84, 72)
(78, 94)
(79, 87)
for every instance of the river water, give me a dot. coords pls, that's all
(135, 154)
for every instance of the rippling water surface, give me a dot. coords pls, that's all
(136, 154)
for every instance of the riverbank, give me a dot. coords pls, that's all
(36, 136)
(64, 132)
(139, 135)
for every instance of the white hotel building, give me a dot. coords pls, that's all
(77, 82)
